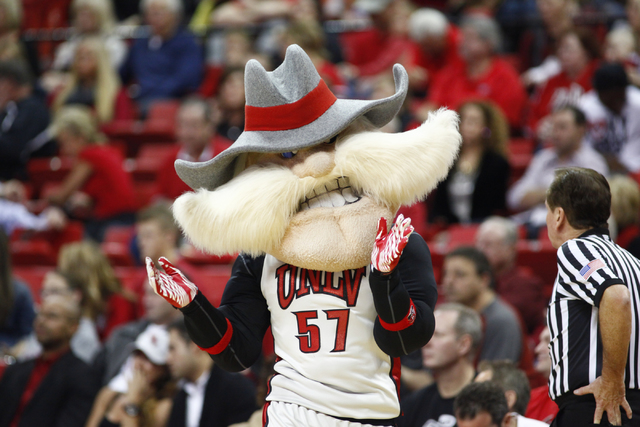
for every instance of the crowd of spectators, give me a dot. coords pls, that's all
(96, 88)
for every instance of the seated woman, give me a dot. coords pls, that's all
(97, 184)
(578, 53)
(93, 82)
(144, 397)
(477, 184)
(625, 210)
(105, 302)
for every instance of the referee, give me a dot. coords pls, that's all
(594, 310)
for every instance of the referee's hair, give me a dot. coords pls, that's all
(478, 258)
(583, 194)
(476, 398)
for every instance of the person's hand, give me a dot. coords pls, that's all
(609, 397)
(388, 247)
(56, 218)
(171, 285)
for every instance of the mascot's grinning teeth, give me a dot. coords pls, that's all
(334, 194)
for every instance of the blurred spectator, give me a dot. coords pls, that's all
(57, 388)
(145, 396)
(375, 50)
(517, 285)
(541, 407)
(467, 279)
(117, 349)
(208, 395)
(23, 117)
(15, 215)
(97, 167)
(197, 142)
(539, 43)
(230, 103)
(11, 46)
(482, 405)
(625, 210)
(105, 302)
(613, 117)
(85, 342)
(449, 355)
(481, 75)
(620, 45)
(436, 47)
(91, 18)
(477, 184)
(578, 53)
(568, 127)
(167, 64)
(93, 82)
(515, 385)
(309, 35)
(16, 303)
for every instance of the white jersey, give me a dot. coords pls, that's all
(334, 366)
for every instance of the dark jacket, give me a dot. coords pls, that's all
(489, 194)
(63, 398)
(229, 399)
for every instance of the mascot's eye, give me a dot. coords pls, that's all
(289, 154)
(332, 140)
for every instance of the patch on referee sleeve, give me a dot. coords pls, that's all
(590, 268)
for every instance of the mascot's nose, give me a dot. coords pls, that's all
(315, 164)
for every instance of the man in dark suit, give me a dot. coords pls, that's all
(209, 396)
(56, 388)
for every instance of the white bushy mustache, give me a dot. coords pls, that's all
(251, 212)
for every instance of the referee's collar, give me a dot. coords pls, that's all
(595, 231)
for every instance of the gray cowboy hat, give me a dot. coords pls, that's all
(288, 109)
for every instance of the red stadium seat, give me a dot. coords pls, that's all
(212, 281)
(42, 171)
(540, 256)
(199, 258)
(32, 276)
(149, 160)
(32, 252)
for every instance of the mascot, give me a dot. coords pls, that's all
(304, 195)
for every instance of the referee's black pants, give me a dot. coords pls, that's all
(578, 411)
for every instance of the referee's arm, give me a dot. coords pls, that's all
(615, 328)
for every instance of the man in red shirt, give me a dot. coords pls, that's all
(481, 75)
(435, 47)
(541, 407)
(57, 388)
(497, 238)
(195, 132)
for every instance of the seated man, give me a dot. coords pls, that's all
(195, 132)
(449, 355)
(209, 395)
(568, 129)
(482, 405)
(519, 286)
(57, 388)
(167, 64)
(541, 407)
(515, 385)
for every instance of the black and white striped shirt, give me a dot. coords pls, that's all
(586, 267)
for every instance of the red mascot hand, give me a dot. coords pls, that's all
(170, 285)
(388, 247)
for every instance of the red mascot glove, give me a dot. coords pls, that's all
(170, 285)
(388, 247)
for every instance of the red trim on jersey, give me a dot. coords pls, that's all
(402, 324)
(223, 343)
(396, 371)
(290, 116)
(264, 414)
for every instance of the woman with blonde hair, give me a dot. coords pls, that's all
(91, 18)
(625, 210)
(97, 189)
(104, 300)
(476, 186)
(93, 82)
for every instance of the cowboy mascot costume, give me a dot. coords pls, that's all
(304, 195)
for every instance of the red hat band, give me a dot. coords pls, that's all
(290, 116)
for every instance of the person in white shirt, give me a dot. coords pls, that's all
(612, 109)
(208, 395)
(569, 126)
